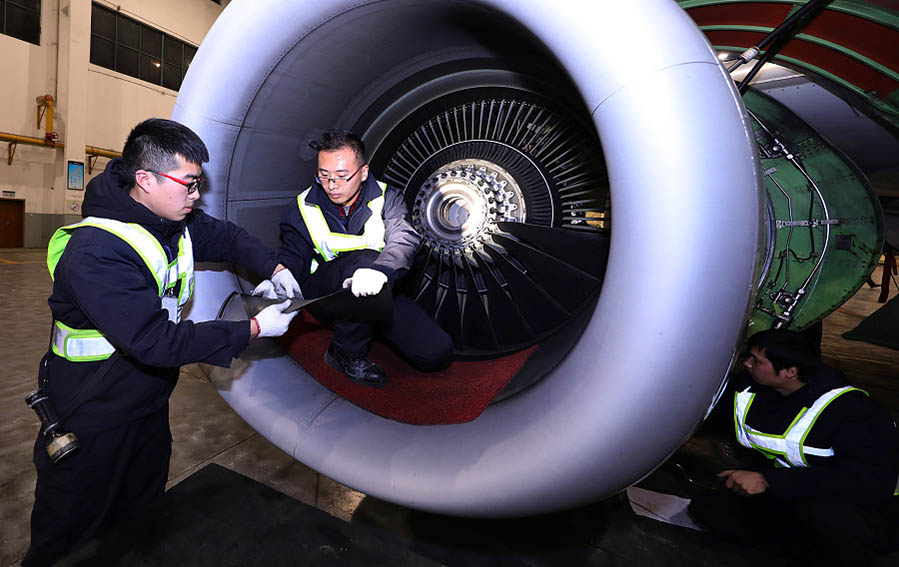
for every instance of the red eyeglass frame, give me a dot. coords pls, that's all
(192, 186)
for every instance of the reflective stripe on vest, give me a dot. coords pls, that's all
(80, 345)
(788, 449)
(86, 345)
(329, 244)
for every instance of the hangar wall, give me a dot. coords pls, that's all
(94, 106)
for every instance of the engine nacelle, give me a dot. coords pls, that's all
(683, 179)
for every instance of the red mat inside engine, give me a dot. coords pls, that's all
(454, 395)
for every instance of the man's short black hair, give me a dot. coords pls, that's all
(786, 349)
(153, 144)
(333, 139)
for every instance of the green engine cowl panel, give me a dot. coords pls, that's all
(824, 223)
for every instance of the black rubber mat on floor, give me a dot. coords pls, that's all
(218, 518)
(880, 328)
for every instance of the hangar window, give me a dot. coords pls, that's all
(130, 47)
(21, 19)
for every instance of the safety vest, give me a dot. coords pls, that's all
(788, 449)
(330, 244)
(87, 345)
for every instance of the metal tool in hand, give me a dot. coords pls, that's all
(256, 303)
(703, 485)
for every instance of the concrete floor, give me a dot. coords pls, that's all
(206, 430)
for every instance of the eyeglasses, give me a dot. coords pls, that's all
(192, 186)
(342, 180)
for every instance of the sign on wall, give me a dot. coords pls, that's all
(76, 176)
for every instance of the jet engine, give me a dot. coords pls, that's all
(582, 173)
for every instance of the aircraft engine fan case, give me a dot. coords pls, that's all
(686, 194)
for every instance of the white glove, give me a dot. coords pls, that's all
(272, 320)
(265, 289)
(286, 285)
(366, 281)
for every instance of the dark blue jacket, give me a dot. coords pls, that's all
(101, 283)
(865, 464)
(400, 239)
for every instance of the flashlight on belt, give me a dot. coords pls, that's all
(59, 443)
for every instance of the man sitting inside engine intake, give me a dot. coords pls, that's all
(347, 230)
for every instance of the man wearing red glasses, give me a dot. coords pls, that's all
(349, 230)
(120, 279)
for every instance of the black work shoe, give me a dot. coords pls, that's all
(359, 369)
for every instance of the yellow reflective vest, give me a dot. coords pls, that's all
(787, 449)
(330, 244)
(87, 345)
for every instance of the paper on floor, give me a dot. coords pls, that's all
(663, 507)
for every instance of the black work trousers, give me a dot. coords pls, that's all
(411, 331)
(114, 474)
(814, 532)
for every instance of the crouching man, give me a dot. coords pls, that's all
(349, 230)
(828, 456)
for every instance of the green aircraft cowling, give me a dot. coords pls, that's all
(824, 222)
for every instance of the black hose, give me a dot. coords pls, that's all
(782, 34)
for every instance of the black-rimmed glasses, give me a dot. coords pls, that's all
(342, 180)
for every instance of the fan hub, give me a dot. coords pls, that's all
(458, 206)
